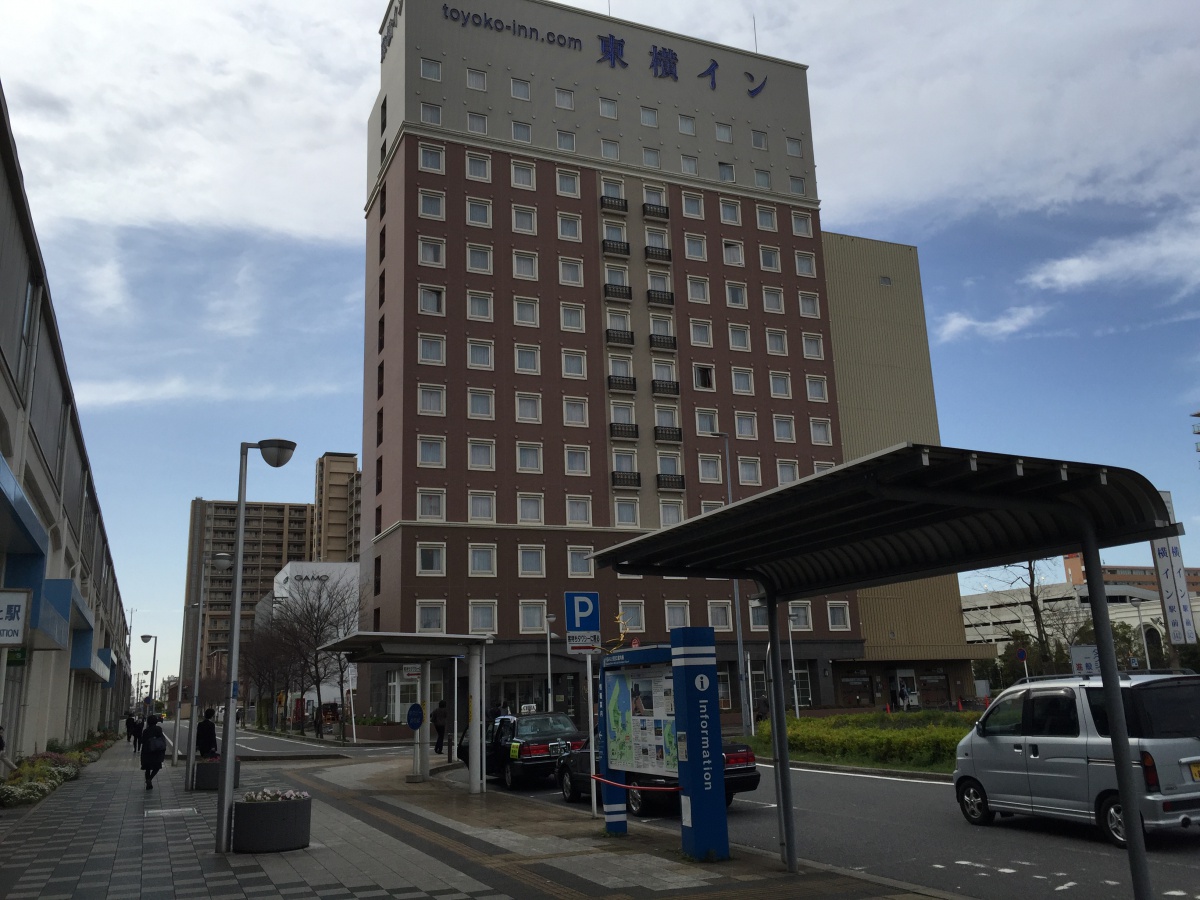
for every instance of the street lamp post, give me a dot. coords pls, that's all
(221, 562)
(792, 652)
(147, 638)
(743, 687)
(550, 620)
(1137, 604)
(275, 453)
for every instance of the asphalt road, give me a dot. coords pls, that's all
(255, 744)
(912, 831)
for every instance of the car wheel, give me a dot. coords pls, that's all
(510, 776)
(636, 800)
(569, 792)
(972, 800)
(1112, 825)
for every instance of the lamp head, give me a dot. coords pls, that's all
(147, 638)
(551, 617)
(222, 561)
(276, 452)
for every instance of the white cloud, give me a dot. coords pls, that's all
(95, 395)
(1009, 323)
(1167, 254)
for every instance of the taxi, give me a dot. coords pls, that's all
(522, 747)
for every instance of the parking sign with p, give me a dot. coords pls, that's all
(583, 621)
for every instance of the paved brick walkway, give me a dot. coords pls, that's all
(373, 835)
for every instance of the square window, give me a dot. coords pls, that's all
(532, 563)
(701, 333)
(739, 337)
(819, 467)
(479, 355)
(568, 183)
(575, 411)
(528, 360)
(481, 455)
(724, 133)
(431, 452)
(482, 560)
(431, 616)
(571, 317)
(564, 99)
(732, 251)
(431, 349)
(719, 617)
(772, 300)
(839, 616)
(524, 219)
(781, 385)
(814, 347)
(621, 367)
(801, 224)
(703, 378)
(608, 108)
(519, 89)
(624, 460)
(433, 205)
(689, 165)
(477, 123)
(706, 422)
(566, 141)
(579, 510)
(614, 231)
(431, 400)
(656, 196)
(574, 364)
(529, 457)
(743, 381)
(431, 114)
(632, 614)
(432, 159)
(795, 147)
(578, 461)
(677, 614)
(746, 425)
(431, 252)
(431, 70)
(431, 559)
(806, 264)
(694, 246)
(610, 149)
(810, 305)
(758, 620)
(725, 172)
(479, 212)
(766, 218)
(569, 227)
(776, 342)
(479, 258)
(579, 563)
(659, 281)
(697, 290)
(668, 464)
(533, 617)
(800, 615)
(762, 179)
(525, 311)
(479, 168)
(523, 175)
(693, 206)
(570, 271)
(481, 506)
(817, 389)
(476, 80)
(529, 408)
(431, 301)
(483, 617)
(731, 212)
(748, 470)
(785, 429)
(525, 265)
(431, 505)
(626, 512)
(650, 157)
(710, 469)
(610, 188)
(663, 369)
(758, 140)
(649, 117)
(821, 431)
(787, 471)
(735, 294)
(796, 184)
(687, 125)
(670, 512)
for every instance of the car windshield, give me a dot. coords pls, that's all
(549, 725)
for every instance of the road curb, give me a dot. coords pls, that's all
(861, 770)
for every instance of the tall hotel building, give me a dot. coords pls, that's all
(594, 268)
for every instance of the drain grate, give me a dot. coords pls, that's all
(171, 813)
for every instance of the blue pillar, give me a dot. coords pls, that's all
(698, 729)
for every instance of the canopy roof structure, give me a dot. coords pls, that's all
(402, 647)
(908, 512)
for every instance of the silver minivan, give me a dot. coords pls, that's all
(1042, 748)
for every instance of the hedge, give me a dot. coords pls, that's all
(916, 739)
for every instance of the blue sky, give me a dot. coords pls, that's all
(197, 174)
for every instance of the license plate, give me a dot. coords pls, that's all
(1196, 771)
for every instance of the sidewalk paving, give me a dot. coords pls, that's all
(373, 835)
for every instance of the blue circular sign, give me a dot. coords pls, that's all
(1021, 654)
(416, 716)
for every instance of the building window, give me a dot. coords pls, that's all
(795, 147)
(766, 218)
(785, 429)
(772, 300)
(781, 385)
(739, 337)
(762, 179)
(529, 509)
(482, 560)
(569, 227)
(725, 172)
(431, 505)
(432, 159)
(758, 617)
(568, 183)
(431, 452)
(431, 301)
(693, 206)
(481, 506)
(697, 290)
(431, 70)
(768, 258)
(566, 141)
(564, 99)
(574, 364)
(806, 264)
(651, 158)
(624, 460)
(710, 469)
(481, 455)
(431, 399)
(670, 512)
(578, 461)
(431, 114)
(821, 431)
(519, 89)
(579, 510)
(819, 467)
(814, 346)
(649, 117)
(801, 224)
(839, 616)
(800, 615)
(432, 205)
(481, 404)
(687, 125)
(431, 559)
(610, 149)
(689, 165)
(579, 563)
(479, 306)
(529, 408)
(787, 471)
(575, 411)
(479, 168)
(531, 562)
(533, 617)
(625, 511)
(719, 617)
(817, 391)
(612, 188)
(748, 470)
(525, 265)
(571, 317)
(810, 305)
(776, 342)
(570, 271)
(524, 176)
(695, 246)
(528, 360)
(743, 381)
(479, 212)
(706, 422)
(735, 295)
(529, 458)
(701, 333)
(731, 212)
(431, 616)
(477, 123)
(677, 614)
(431, 252)
(702, 377)
(746, 425)
(476, 80)
(483, 617)
(608, 108)
(724, 133)
(758, 140)
(796, 184)
(632, 615)
(525, 311)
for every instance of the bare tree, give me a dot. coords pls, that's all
(1028, 585)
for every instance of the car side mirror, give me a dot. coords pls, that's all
(979, 728)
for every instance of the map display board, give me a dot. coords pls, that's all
(641, 720)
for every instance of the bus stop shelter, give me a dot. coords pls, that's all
(915, 511)
(398, 648)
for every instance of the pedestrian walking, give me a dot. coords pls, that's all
(903, 696)
(138, 727)
(130, 721)
(154, 750)
(206, 735)
(438, 721)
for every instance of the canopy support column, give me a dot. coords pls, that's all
(779, 739)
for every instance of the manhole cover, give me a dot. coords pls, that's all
(170, 813)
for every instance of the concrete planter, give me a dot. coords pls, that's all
(271, 826)
(208, 775)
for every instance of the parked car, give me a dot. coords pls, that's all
(520, 747)
(574, 773)
(1043, 749)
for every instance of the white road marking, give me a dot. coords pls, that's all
(1041, 877)
(1174, 893)
(1106, 881)
(1007, 871)
(938, 866)
(944, 784)
(1064, 887)
(967, 862)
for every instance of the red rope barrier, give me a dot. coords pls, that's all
(640, 787)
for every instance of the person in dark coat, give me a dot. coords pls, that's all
(206, 735)
(154, 749)
(438, 721)
(138, 727)
(130, 721)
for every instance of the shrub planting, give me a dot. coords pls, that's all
(38, 775)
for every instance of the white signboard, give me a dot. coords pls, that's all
(641, 720)
(1085, 659)
(1172, 582)
(14, 607)
(411, 670)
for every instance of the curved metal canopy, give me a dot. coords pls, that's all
(912, 511)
